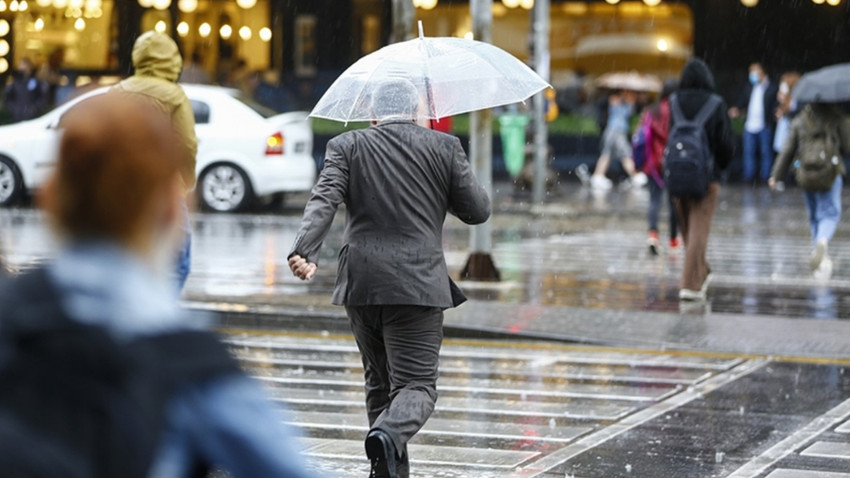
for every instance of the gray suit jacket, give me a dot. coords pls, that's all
(397, 181)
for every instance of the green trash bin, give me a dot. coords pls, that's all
(512, 129)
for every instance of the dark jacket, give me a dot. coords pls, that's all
(814, 117)
(695, 87)
(397, 180)
(770, 102)
(26, 97)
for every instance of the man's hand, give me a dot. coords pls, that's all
(301, 268)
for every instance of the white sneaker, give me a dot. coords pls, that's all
(824, 270)
(639, 180)
(601, 182)
(818, 254)
(582, 174)
(691, 295)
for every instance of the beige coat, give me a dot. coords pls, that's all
(157, 61)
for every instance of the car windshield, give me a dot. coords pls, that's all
(259, 108)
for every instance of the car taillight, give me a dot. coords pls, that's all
(274, 144)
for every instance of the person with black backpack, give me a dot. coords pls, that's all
(102, 374)
(817, 143)
(699, 146)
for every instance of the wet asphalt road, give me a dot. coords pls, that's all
(516, 407)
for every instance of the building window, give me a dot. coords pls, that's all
(305, 45)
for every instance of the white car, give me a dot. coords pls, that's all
(245, 150)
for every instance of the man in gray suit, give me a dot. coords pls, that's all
(398, 180)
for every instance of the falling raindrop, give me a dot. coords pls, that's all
(628, 468)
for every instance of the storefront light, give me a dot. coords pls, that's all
(13, 6)
(833, 2)
(44, 3)
(160, 26)
(265, 34)
(749, 3)
(613, 2)
(2, 5)
(23, 6)
(161, 4)
(245, 33)
(60, 4)
(79, 24)
(662, 45)
(204, 30)
(819, 2)
(527, 4)
(226, 31)
(246, 4)
(425, 4)
(652, 3)
(38, 25)
(4, 65)
(183, 29)
(4, 27)
(75, 3)
(146, 3)
(4, 48)
(511, 3)
(187, 6)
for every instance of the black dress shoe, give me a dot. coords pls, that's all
(381, 452)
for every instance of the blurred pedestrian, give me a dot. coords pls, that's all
(817, 144)
(397, 180)
(50, 73)
(194, 71)
(658, 116)
(696, 89)
(103, 374)
(785, 109)
(615, 144)
(760, 104)
(157, 61)
(26, 95)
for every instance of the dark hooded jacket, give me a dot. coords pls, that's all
(696, 86)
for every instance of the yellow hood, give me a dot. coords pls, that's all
(156, 54)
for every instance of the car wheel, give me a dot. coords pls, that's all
(224, 188)
(11, 183)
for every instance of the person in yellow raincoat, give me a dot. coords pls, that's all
(157, 63)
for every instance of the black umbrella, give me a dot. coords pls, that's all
(827, 85)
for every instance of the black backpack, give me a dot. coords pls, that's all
(75, 402)
(688, 161)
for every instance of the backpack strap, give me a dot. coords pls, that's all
(702, 116)
(707, 110)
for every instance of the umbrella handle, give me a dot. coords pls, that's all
(421, 30)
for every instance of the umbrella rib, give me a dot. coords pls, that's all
(358, 95)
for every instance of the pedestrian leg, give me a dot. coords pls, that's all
(696, 225)
(366, 326)
(749, 156)
(674, 223)
(828, 210)
(766, 153)
(413, 336)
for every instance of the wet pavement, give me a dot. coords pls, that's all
(580, 362)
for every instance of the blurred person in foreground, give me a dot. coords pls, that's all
(157, 64)
(818, 142)
(126, 384)
(696, 88)
(398, 180)
(659, 128)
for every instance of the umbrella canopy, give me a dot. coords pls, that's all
(827, 85)
(451, 76)
(630, 80)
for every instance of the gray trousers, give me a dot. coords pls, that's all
(400, 347)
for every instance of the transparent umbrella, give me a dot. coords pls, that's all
(451, 75)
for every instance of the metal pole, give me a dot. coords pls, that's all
(541, 65)
(480, 264)
(403, 15)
